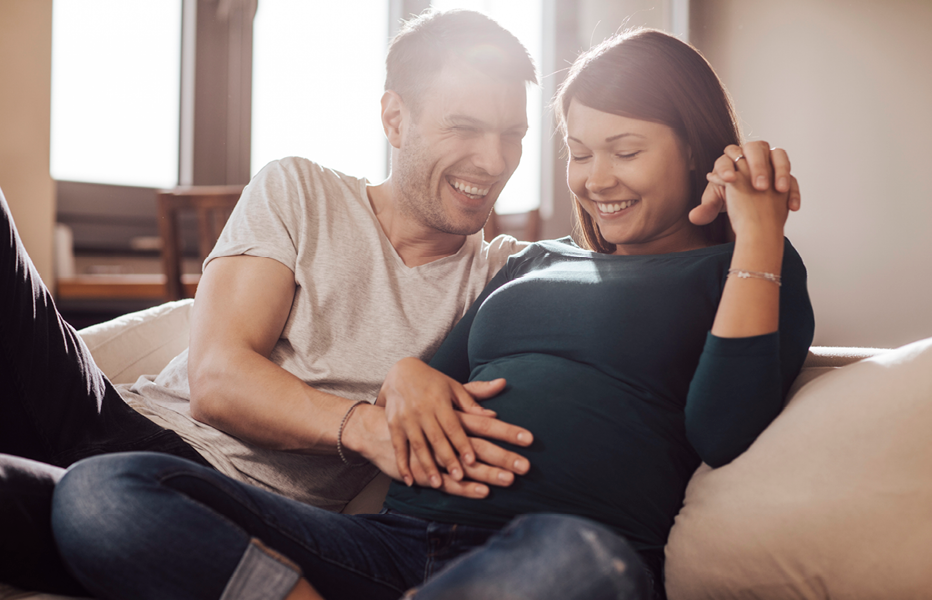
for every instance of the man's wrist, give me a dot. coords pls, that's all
(359, 430)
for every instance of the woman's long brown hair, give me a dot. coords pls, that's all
(652, 76)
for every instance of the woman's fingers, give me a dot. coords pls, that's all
(781, 169)
(796, 199)
(757, 155)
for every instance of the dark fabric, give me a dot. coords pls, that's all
(56, 406)
(28, 556)
(600, 353)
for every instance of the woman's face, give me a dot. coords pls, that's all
(633, 178)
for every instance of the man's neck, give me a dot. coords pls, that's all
(416, 243)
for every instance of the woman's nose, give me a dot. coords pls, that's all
(601, 177)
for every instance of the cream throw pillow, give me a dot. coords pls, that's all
(833, 500)
(139, 343)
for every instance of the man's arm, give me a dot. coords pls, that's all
(242, 305)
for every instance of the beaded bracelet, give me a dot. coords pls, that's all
(340, 435)
(742, 274)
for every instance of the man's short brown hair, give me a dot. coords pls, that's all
(433, 39)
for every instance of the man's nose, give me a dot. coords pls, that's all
(490, 155)
(601, 176)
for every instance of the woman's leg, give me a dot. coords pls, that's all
(543, 557)
(55, 404)
(145, 525)
(30, 559)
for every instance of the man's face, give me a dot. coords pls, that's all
(458, 149)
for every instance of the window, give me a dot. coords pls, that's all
(115, 91)
(318, 74)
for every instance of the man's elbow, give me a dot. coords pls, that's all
(203, 384)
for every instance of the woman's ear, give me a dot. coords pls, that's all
(394, 113)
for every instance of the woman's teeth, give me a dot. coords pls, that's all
(470, 190)
(613, 207)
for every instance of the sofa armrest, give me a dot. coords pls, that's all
(139, 343)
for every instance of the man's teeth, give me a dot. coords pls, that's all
(470, 190)
(614, 207)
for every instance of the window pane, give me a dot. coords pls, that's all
(318, 75)
(523, 18)
(116, 69)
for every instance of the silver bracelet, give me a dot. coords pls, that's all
(742, 274)
(340, 435)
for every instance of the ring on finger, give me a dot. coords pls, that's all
(737, 158)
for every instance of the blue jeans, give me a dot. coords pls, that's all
(144, 525)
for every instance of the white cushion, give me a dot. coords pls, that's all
(833, 500)
(139, 343)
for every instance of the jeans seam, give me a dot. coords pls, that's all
(272, 523)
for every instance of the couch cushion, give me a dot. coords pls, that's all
(833, 500)
(139, 343)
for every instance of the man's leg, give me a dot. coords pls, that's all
(543, 557)
(145, 525)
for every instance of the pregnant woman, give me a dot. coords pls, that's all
(653, 346)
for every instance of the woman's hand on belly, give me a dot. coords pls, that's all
(421, 408)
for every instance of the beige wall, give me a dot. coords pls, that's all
(846, 87)
(25, 73)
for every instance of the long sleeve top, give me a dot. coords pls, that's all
(611, 365)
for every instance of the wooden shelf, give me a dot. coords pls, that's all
(121, 287)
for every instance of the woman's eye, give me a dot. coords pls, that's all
(628, 155)
(577, 158)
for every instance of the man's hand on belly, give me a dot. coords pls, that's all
(423, 426)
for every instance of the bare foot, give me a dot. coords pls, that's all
(303, 591)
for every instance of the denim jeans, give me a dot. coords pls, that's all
(142, 525)
(56, 407)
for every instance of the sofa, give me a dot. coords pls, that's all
(833, 500)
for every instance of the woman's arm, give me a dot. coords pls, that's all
(761, 331)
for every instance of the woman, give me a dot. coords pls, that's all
(657, 346)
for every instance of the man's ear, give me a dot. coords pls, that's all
(394, 113)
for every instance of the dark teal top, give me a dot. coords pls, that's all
(610, 364)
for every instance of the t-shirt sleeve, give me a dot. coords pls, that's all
(265, 218)
(452, 357)
(740, 384)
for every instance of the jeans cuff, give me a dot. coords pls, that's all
(261, 574)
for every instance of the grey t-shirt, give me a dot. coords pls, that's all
(357, 310)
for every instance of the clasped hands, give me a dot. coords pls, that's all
(434, 420)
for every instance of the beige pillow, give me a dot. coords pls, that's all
(833, 500)
(139, 343)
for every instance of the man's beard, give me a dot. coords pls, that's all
(416, 200)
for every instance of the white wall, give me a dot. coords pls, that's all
(25, 73)
(846, 87)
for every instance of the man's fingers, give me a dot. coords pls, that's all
(467, 489)
(496, 456)
(758, 156)
(483, 473)
(493, 428)
(781, 169)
